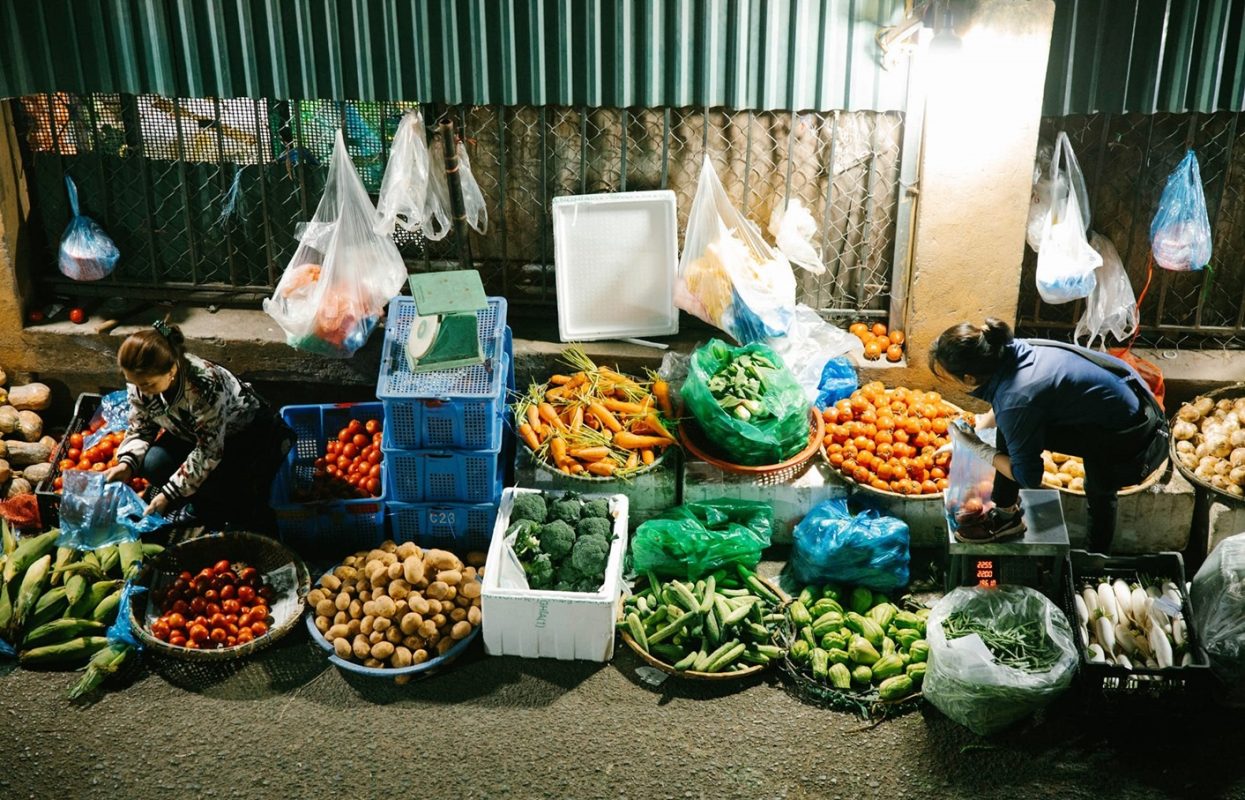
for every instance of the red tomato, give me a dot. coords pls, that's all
(211, 595)
(160, 630)
(181, 607)
(199, 620)
(85, 464)
(219, 635)
(259, 628)
(198, 633)
(344, 435)
(217, 620)
(231, 641)
(231, 619)
(246, 595)
(355, 426)
(331, 470)
(343, 462)
(206, 574)
(373, 486)
(221, 566)
(375, 457)
(191, 644)
(212, 609)
(74, 453)
(372, 425)
(245, 635)
(320, 463)
(230, 606)
(77, 315)
(66, 464)
(374, 471)
(75, 440)
(361, 440)
(231, 628)
(334, 448)
(176, 621)
(100, 467)
(227, 593)
(177, 640)
(350, 450)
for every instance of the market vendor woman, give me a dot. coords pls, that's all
(1057, 397)
(205, 440)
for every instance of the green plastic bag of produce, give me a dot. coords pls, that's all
(694, 539)
(771, 430)
(996, 656)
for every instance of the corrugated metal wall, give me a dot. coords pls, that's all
(1146, 56)
(744, 54)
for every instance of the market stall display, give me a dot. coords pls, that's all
(1208, 441)
(720, 627)
(878, 341)
(350, 466)
(1067, 473)
(563, 543)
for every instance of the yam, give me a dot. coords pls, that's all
(30, 426)
(31, 397)
(23, 454)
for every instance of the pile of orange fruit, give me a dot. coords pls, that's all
(878, 342)
(887, 438)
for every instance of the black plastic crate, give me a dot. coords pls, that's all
(1188, 688)
(50, 499)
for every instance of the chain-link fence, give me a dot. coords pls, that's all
(1126, 160)
(160, 175)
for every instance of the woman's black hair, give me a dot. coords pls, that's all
(153, 351)
(968, 349)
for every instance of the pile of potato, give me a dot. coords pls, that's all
(1210, 441)
(1063, 472)
(398, 605)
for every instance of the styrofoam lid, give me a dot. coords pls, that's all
(616, 257)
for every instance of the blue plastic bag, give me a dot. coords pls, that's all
(87, 254)
(838, 381)
(121, 631)
(832, 546)
(94, 513)
(114, 409)
(1180, 232)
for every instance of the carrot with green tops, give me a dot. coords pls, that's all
(533, 419)
(550, 415)
(557, 447)
(591, 453)
(661, 390)
(602, 468)
(646, 455)
(653, 424)
(634, 441)
(560, 380)
(529, 436)
(577, 420)
(633, 460)
(607, 419)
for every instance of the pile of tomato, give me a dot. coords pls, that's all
(221, 606)
(351, 464)
(887, 439)
(98, 457)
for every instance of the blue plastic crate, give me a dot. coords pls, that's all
(330, 526)
(451, 408)
(460, 476)
(452, 526)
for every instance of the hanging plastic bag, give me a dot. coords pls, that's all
(1218, 599)
(1112, 306)
(87, 253)
(94, 513)
(404, 187)
(1052, 185)
(436, 217)
(793, 229)
(1180, 234)
(694, 539)
(833, 546)
(809, 347)
(965, 678)
(342, 274)
(1066, 262)
(473, 197)
(970, 483)
(768, 436)
(728, 276)
(233, 209)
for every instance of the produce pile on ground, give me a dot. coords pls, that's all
(56, 603)
(887, 438)
(350, 467)
(1138, 624)
(25, 452)
(871, 648)
(398, 605)
(1210, 441)
(563, 542)
(877, 341)
(724, 623)
(595, 421)
(224, 605)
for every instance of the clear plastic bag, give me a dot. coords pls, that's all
(1180, 234)
(694, 539)
(793, 229)
(963, 679)
(1066, 263)
(1112, 306)
(94, 513)
(1218, 599)
(86, 253)
(809, 347)
(114, 410)
(473, 197)
(833, 546)
(970, 482)
(404, 188)
(728, 275)
(437, 201)
(1046, 189)
(342, 274)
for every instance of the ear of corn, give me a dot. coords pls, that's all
(28, 592)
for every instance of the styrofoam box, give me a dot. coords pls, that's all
(616, 261)
(548, 624)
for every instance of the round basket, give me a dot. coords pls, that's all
(1232, 392)
(262, 552)
(792, 468)
(669, 669)
(1153, 478)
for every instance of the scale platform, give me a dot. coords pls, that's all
(1037, 559)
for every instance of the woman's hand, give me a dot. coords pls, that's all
(158, 505)
(121, 472)
(986, 420)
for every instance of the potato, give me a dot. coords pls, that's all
(413, 643)
(473, 616)
(385, 607)
(388, 558)
(388, 546)
(460, 630)
(475, 601)
(452, 577)
(442, 559)
(346, 573)
(315, 596)
(462, 601)
(323, 624)
(410, 623)
(394, 635)
(458, 614)
(342, 648)
(427, 628)
(413, 570)
(353, 626)
(440, 620)
(382, 650)
(375, 554)
(437, 590)
(374, 637)
(361, 646)
(419, 656)
(400, 609)
(365, 596)
(434, 607)
(406, 550)
(395, 571)
(349, 561)
(401, 657)
(381, 624)
(1059, 458)
(1077, 485)
(471, 589)
(399, 589)
(418, 604)
(365, 625)
(476, 558)
(450, 593)
(341, 618)
(469, 574)
(379, 592)
(444, 645)
(326, 608)
(434, 638)
(369, 608)
(373, 663)
(342, 602)
(356, 609)
(331, 582)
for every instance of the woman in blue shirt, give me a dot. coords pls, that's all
(1057, 397)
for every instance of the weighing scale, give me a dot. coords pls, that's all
(1036, 560)
(445, 334)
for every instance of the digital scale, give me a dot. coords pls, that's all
(1036, 560)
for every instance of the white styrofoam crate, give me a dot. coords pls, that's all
(616, 258)
(548, 624)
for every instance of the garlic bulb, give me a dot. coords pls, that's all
(1238, 457)
(1237, 438)
(1188, 460)
(1237, 475)
(1185, 446)
(1222, 467)
(1188, 413)
(1220, 447)
(1184, 430)
(1220, 481)
(1224, 405)
(1203, 406)
(1236, 490)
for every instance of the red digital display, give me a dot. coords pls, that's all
(987, 577)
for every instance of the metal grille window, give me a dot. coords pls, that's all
(205, 195)
(1126, 159)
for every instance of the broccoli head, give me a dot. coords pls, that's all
(539, 571)
(590, 585)
(529, 506)
(525, 540)
(556, 538)
(568, 574)
(590, 555)
(594, 526)
(567, 509)
(597, 508)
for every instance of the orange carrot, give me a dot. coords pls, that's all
(616, 377)
(529, 436)
(647, 456)
(578, 379)
(622, 407)
(654, 425)
(550, 415)
(560, 380)
(602, 468)
(566, 469)
(633, 441)
(633, 460)
(577, 420)
(576, 467)
(590, 453)
(555, 393)
(557, 447)
(592, 422)
(607, 419)
(661, 390)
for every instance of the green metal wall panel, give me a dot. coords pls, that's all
(1146, 56)
(747, 54)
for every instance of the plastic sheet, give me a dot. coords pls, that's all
(122, 630)
(1180, 235)
(86, 252)
(94, 513)
(1218, 599)
(694, 539)
(1112, 306)
(833, 546)
(473, 198)
(1044, 189)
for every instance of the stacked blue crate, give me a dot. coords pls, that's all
(445, 435)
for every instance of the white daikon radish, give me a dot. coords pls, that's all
(1186, 659)
(1157, 617)
(1141, 602)
(1162, 648)
(1139, 640)
(1152, 664)
(1106, 633)
(1082, 613)
(1123, 598)
(1153, 591)
(1122, 661)
(1091, 601)
(1180, 632)
(1124, 639)
(1096, 655)
(1106, 601)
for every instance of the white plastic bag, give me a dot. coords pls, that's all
(1218, 599)
(793, 230)
(1046, 189)
(473, 198)
(809, 343)
(343, 273)
(1112, 306)
(404, 188)
(728, 275)
(1066, 262)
